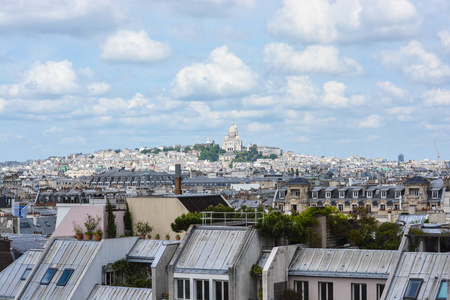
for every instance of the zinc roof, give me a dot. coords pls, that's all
(63, 254)
(430, 267)
(343, 263)
(147, 250)
(10, 278)
(211, 249)
(101, 292)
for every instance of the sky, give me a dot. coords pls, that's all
(323, 77)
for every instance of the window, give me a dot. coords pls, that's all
(295, 192)
(48, 276)
(65, 277)
(369, 194)
(315, 195)
(382, 207)
(380, 289)
(354, 207)
(327, 194)
(396, 207)
(280, 207)
(397, 194)
(221, 290)
(414, 192)
(341, 207)
(369, 207)
(412, 290)
(183, 289)
(435, 194)
(341, 194)
(325, 290)
(359, 291)
(25, 274)
(442, 293)
(301, 287)
(294, 207)
(281, 195)
(201, 290)
(355, 194)
(383, 194)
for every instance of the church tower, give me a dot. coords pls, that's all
(232, 141)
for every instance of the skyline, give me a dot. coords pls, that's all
(333, 78)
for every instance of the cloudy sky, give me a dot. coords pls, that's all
(322, 77)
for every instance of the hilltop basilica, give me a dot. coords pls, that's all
(232, 141)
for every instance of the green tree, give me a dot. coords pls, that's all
(183, 222)
(273, 156)
(128, 223)
(278, 225)
(388, 236)
(364, 226)
(111, 228)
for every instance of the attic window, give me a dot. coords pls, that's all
(65, 277)
(328, 195)
(25, 274)
(412, 290)
(369, 194)
(383, 194)
(442, 293)
(341, 194)
(435, 194)
(48, 275)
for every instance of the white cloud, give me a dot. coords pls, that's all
(391, 89)
(53, 130)
(98, 88)
(49, 78)
(416, 64)
(327, 21)
(401, 110)
(335, 96)
(444, 35)
(315, 59)
(134, 47)
(223, 75)
(259, 101)
(437, 97)
(372, 121)
(258, 127)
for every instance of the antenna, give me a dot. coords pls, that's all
(437, 152)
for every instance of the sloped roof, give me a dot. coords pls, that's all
(101, 292)
(210, 249)
(147, 250)
(24, 242)
(343, 263)
(76, 255)
(432, 268)
(416, 180)
(197, 203)
(10, 278)
(298, 181)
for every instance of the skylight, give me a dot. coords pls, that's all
(48, 276)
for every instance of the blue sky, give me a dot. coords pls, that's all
(333, 78)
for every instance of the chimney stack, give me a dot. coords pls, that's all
(177, 179)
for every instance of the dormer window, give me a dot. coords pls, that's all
(383, 194)
(281, 195)
(341, 194)
(315, 195)
(355, 194)
(435, 194)
(397, 194)
(327, 194)
(369, 194)
(414, 192)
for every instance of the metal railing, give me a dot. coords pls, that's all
(211, 218)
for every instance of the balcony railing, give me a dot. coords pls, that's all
(210, 218)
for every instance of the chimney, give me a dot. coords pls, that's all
(177, 179)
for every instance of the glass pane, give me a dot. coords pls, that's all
(187, 289)
(363, 292)
(442, 291)
(180, 289)
(25, 274)
(413, 288)
(330, 291)
(218, 290)
(48, 276)
(225, 290)
(64, 277)
(199, 290)
(206, 284)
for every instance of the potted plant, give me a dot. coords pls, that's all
(78, 231)
(90, 223)
(167, 237)
(149, 236)
(177, 237)
(98, 234)
(143, 228)
(157, 236)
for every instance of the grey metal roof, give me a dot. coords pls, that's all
(44, 225)
(10, 278)
(101, 292)
(211, 249)
(147, 250)
(412, 219)
(343, 263)
(62, 254)
(430, 267)
(24, 242)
